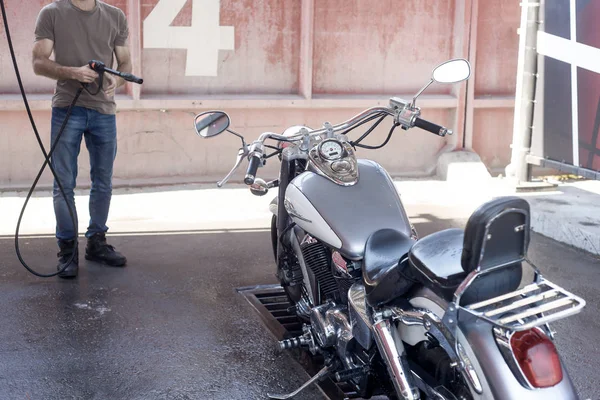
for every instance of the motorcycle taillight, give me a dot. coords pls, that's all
(537, 356)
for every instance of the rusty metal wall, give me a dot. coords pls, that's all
(496, 44)
(278, 63)
(383, 52)
(266, 58)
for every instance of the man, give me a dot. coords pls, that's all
(79, 31)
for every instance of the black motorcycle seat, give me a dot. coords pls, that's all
(384, 267)
(442, 260)
(435, 261)
(438, 255)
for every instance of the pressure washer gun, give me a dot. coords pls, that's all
(101, 68)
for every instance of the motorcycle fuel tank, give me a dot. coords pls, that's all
(345, 216)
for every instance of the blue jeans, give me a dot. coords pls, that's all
(100, 132)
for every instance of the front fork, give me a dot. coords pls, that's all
(285, 176)
(392, 351)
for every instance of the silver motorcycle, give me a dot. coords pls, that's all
(449, 316)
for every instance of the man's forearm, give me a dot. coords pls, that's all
(52, 70)
(124, 67)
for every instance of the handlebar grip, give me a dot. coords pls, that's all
(131, 78)
(252, 168)
(431, 127)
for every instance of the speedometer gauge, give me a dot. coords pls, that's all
(331, 149)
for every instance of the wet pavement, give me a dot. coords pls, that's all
(171, 325)
(168, 326)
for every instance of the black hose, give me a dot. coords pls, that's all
(371, 118)
(389, 136)
(286, 230)
(371, 129)
(47, 156)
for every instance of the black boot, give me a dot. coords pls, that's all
(67, 248)
(98, 250)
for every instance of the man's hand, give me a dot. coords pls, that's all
(111, 86)
(84, 74)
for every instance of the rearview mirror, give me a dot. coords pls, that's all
(452, 71)
(211, 123)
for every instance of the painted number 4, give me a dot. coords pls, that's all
(202, 40)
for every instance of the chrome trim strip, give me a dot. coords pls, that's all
(467, 367)
(503, 337)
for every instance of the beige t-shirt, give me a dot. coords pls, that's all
(80, 36)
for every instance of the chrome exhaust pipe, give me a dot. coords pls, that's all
(392, 354)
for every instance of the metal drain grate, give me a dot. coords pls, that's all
(272, 304)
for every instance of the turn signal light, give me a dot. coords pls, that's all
(537, 356)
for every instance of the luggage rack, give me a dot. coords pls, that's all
(534, 305)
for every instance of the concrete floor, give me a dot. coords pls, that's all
(171, 326)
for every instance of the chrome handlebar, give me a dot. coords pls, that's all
(327, 129)
(404, 113)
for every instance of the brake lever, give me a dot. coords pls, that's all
(241, 154)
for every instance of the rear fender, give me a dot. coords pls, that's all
(425, 298)
(479, 337)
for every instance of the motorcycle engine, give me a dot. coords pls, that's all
(329, 320)
(317, 258)
(330, 324)
(333, 273)
(331, 328)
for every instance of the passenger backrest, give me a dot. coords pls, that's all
(497, 234)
